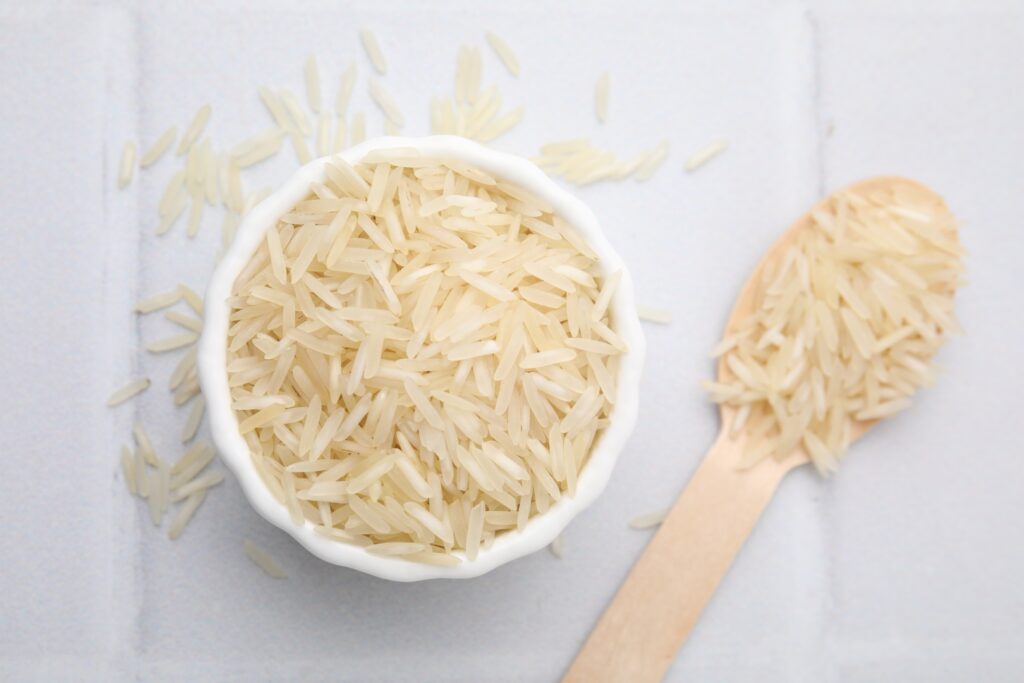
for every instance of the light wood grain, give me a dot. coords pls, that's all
(664, 594)
(656, 608)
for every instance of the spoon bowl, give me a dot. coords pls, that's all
(746, 301)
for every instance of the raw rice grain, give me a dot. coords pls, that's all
(195, 129)
(386, 103)
(159, 147)
(654, 315)
(172, 343)
(127, 165)
(264, 561)
(650, 519)
(373, 51)
(504, 52)
(195, 418)
(129, 390)
(826, 346)
(184, 514)
(345, 87)
(705, 154)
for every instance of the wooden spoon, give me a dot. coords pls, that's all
(638, 636)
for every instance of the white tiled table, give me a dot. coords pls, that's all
(905, 567)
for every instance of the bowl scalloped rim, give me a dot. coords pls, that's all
(542, 529)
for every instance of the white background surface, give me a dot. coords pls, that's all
(905, 567)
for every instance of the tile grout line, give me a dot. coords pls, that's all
(126, 588)
(816, 72)
(824, 503)
(138, 568)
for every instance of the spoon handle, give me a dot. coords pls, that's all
(656, 608)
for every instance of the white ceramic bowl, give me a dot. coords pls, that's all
(542, 529)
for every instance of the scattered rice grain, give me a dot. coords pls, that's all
(133, 388)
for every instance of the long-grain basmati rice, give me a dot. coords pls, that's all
(195, 418)
(654, 315)
(390, 332)
(345, 87)
(386, 103)
(200, 483)
(705, 154)
(652, 161)
(373, 51)
(209, 175)
(843, 325)
(159, 147)
(158, 301)
(133, 388)
(127, 165)
(173, 342)
(264, 561)
(186, 321)
(143, 444)
(581, 163)
(650, 519)
(195, 129)
(185, 513)
(504, 52)
(193, 299)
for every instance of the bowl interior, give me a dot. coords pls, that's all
(542, 529)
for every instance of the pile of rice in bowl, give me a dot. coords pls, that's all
(421, 357)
